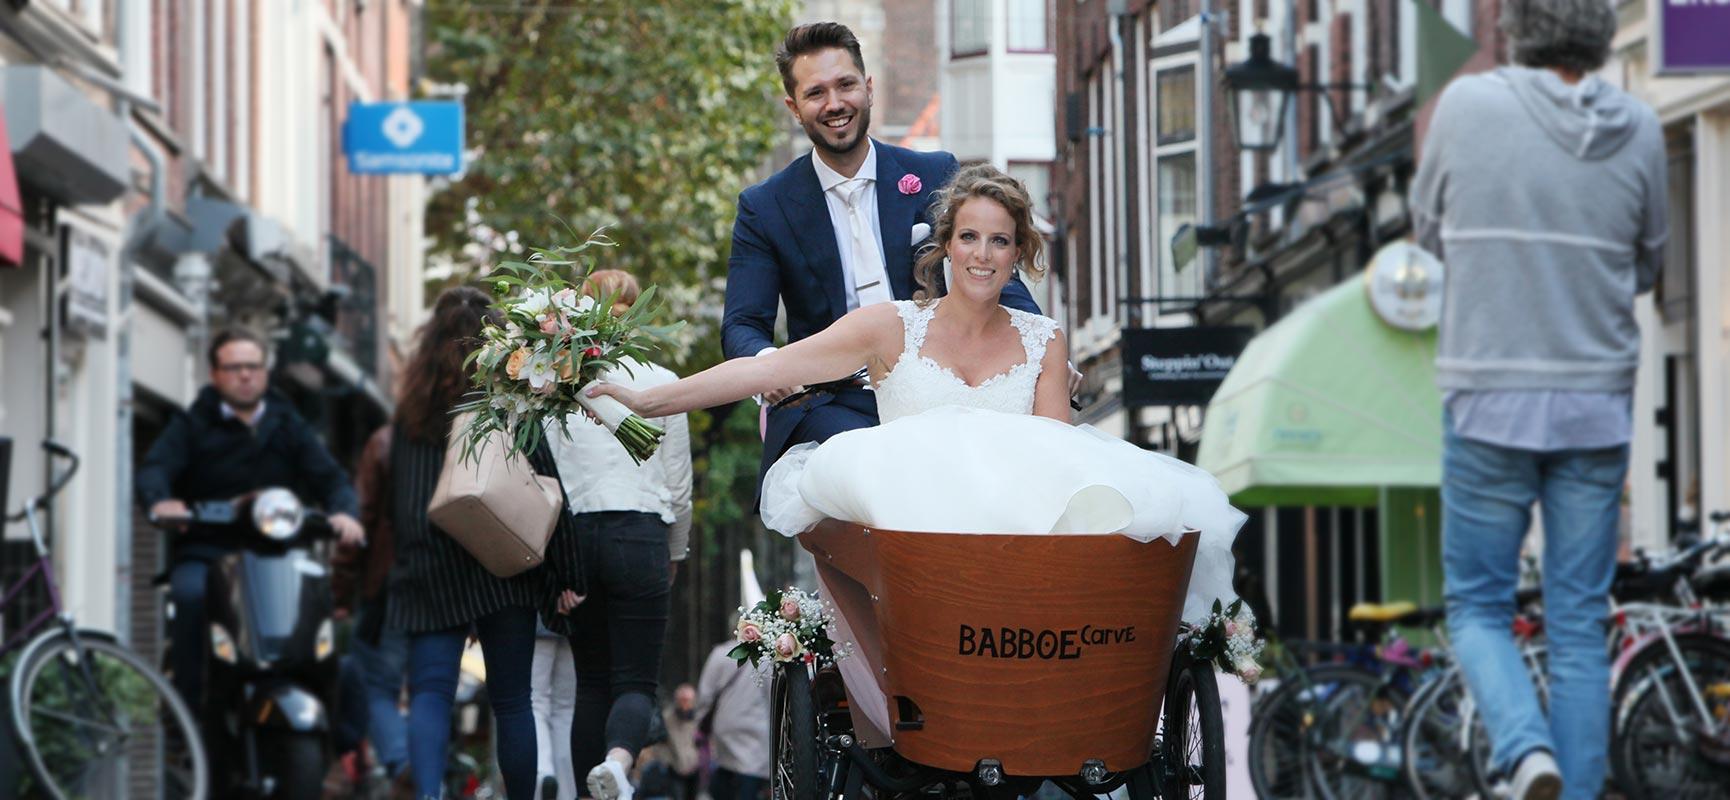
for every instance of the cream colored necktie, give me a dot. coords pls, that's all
(870, 282)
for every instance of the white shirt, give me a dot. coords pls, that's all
(835, 189)
(599, 475)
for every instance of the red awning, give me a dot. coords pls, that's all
(11, 205)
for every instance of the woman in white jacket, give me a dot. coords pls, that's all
(634, 523)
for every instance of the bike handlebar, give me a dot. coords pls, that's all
(40, 501)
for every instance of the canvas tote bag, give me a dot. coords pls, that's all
(496, 507)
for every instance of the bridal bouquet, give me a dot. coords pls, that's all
(789, 625)
(1229, 639)
(553, 343)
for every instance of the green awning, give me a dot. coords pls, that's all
(1325, 407)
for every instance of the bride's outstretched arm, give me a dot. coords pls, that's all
(1051, 394)
(838, 351)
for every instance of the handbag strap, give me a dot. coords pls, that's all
(707, 723)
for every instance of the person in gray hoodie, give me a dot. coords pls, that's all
(1543, 190)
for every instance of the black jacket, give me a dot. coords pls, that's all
(202, 456)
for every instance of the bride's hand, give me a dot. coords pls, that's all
(629, 397)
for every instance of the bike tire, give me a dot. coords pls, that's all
(795, 773)
(1432, 754)
(1278, 732)
(296, 761)
(1647, 756)
(50, 669)
(1194, 727)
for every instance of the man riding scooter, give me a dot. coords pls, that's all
(237, 437)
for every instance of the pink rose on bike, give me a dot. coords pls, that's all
(790, 609)
(787, 647)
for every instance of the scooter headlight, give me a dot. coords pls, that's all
(277, 513)
(221, 644)
(326, 643)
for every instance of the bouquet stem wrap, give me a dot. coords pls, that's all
(639, 436)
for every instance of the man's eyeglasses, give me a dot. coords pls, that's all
(236, 369)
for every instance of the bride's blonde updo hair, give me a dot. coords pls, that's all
(979, 180)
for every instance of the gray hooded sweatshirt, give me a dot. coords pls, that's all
(1547, 204)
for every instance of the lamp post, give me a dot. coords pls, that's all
(1260, 89)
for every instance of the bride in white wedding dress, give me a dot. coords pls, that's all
(974, 403)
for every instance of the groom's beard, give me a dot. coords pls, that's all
(815, 130)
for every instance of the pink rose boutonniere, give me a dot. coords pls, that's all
(909, 184)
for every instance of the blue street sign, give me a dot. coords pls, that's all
(422, 136)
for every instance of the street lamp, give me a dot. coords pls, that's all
(1260, 88)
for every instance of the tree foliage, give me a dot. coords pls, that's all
(646, 117)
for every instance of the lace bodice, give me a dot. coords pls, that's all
(917, 383)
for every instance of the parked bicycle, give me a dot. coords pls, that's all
(88, 712)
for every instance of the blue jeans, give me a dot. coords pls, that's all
(1487, 496)
(508, 646)
(189, 631)
(382, 667)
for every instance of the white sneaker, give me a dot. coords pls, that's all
(1536, 778)
(607, 781)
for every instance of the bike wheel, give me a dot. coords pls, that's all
(1432, 753)
(794, 774)
(93, 720)
(1193, 743)
(295, 763)
(1280, 728)
(1353, 741)
(1662, 747)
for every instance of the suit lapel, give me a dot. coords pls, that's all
(895, 212)
(814, 231)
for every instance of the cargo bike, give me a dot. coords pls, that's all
(1003, 662)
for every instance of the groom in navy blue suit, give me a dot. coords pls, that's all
(831, 232)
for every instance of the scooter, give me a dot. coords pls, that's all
(271, 672)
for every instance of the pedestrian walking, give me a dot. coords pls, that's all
(553, 694)
(438, 592)
(1543, 189)
(634, 522)
(733, 710)
(359, 577)
(676, 755)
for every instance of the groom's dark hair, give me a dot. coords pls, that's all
(810, 38)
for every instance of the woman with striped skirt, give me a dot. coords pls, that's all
(438, 592)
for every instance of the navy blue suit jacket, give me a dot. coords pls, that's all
(784, 249)
(784, 252)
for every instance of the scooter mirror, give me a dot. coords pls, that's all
(277, 513)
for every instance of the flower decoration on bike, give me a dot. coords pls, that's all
(554, 342)
(1228, 638)
(786, 625)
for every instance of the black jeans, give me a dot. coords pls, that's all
(617, 632)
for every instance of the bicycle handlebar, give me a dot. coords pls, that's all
(40, 501)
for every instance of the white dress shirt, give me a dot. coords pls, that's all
(600, 476)
(835, 191)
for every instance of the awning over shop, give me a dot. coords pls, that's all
(1325, 407)
(11, 206)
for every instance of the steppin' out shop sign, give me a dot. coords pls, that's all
(1179, 366)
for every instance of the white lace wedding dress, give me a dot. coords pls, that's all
(954, 458)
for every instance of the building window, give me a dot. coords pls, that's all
(1176, 96)
(1177, 207)
(1030, 26)
(1036, 176)
(969, 27)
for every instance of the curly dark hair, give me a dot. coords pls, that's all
(811, 38)
(979, 180)
(434, 380)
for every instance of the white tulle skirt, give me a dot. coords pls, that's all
(966, 470)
